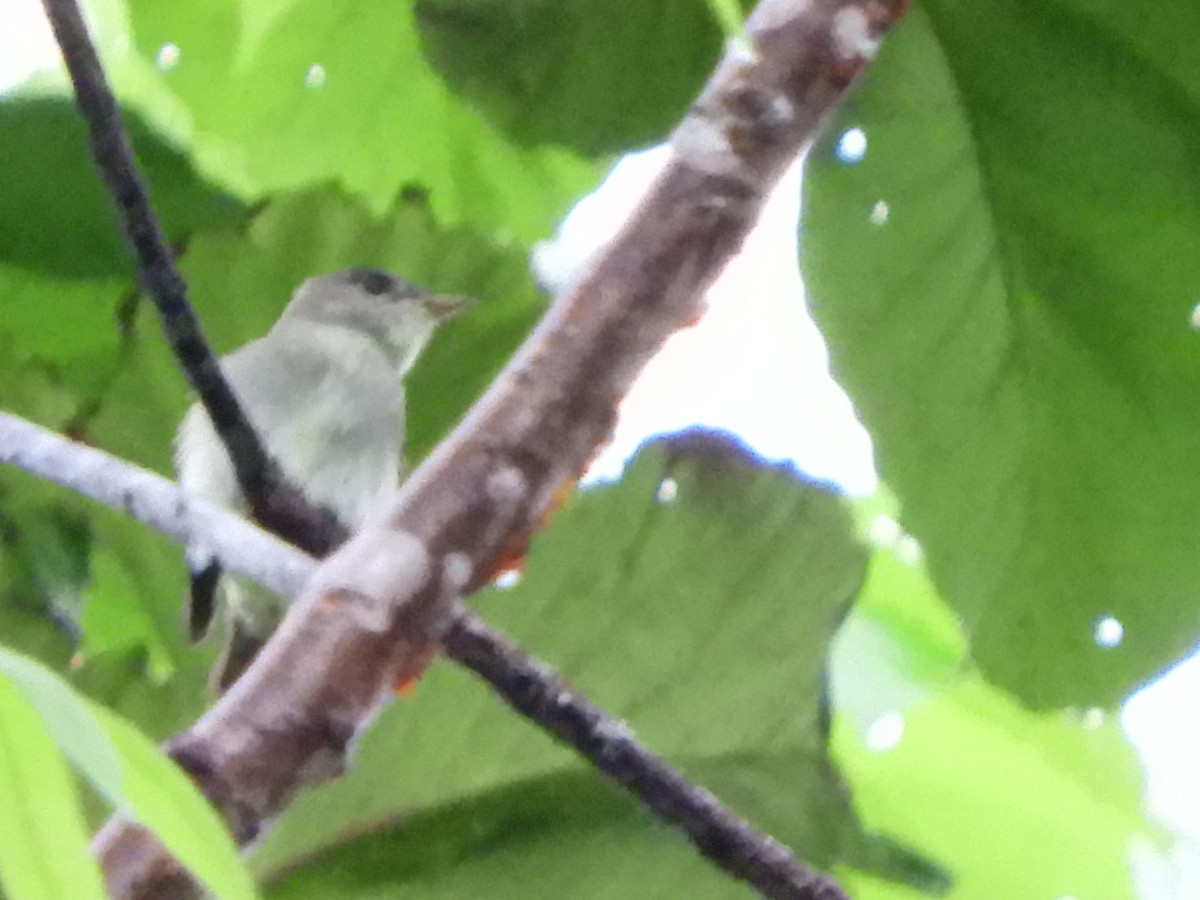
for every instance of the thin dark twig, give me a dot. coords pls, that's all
(273, 502)
(539, 693)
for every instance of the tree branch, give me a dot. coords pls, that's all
(540, 694)
(377, 608)
(240, 547)
(275, 503)
(528, 685)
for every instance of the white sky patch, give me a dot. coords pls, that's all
(26, 42)
(1159, 720)
(908, 550)
(1093, 717)
(883, 532)
(1170, 874)
(507, 580)
(754, 365)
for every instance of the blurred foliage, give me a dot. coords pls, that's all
(1007, 281)
(43, 837)
(45, 143)
(43, 720)
(548, 72)
(1013, 325)
(1018, 803)
(340, 94)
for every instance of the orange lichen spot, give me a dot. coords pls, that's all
(406, 685)
(556, 500)
(511, 559)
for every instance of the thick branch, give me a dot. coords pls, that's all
(276, 504)
(374, 610)
(528, 685)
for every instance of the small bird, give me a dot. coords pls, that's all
(324, 391)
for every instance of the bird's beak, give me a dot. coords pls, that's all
(444, 306)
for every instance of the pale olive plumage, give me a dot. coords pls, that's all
(323, 389)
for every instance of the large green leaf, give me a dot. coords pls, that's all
(284, 93)
(599, 77)
(1006, 281)
(1011, 802)
(56, 216)
(702, 622)
(63, 340)
(1014, 804)
(566, 835)
(43, 836)
(128, 770)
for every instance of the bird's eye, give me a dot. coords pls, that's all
(373, 281)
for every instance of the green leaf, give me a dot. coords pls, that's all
(728, 15)
(125, 597)
(138, 410)
(58, 344)
(972, 751)
(1014, 324)
(68, 324)
(596, 77)
(1013, 803)
(43, 836)
(283, 94)
(48, 180)
(127, 769)
(702, 622)
(45, 542)
(564, 835)
(160, 796)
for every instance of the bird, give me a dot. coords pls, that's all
(324, 391)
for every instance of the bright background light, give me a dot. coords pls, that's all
(26, 44)
(754, 365)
